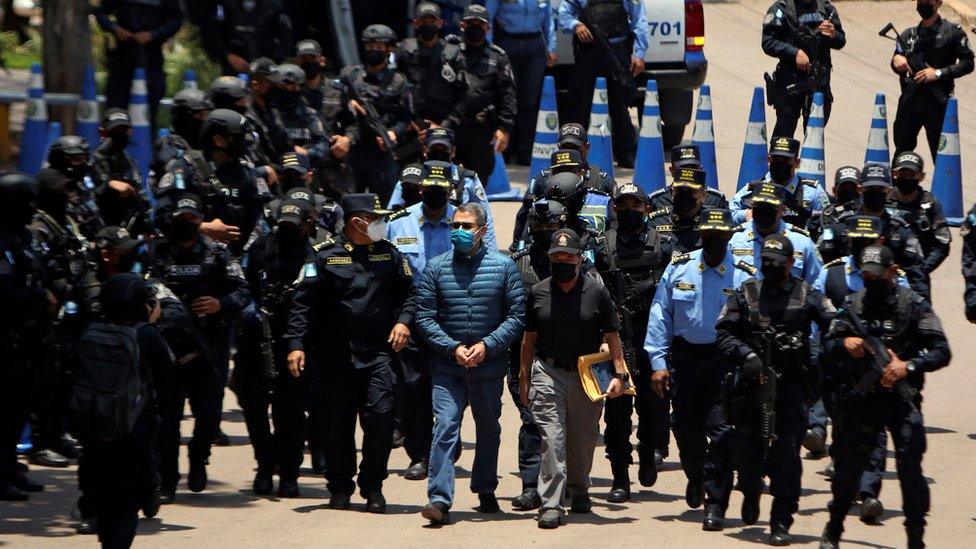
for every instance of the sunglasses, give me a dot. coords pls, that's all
(467, 226)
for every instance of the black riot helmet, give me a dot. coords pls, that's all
(18, 199)
(64, 149)
(567, 188)
(378, 33)
(226, 123)
(187, 106)
(226, 92)
(545, 218)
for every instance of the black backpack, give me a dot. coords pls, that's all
(110, 392)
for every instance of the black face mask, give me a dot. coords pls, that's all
(856, 247)
(76, 172)
(439, 155)
(684, 202)
(16, 215)
(906, 185)
(126, 262)
(374, 58)
(288, 235)
(925, 10)
(411, 195)
(875, 201)
(188, 128)
(312, 69)
(877, 290)
(764, 217)
(287, 98)
(119, 141)
(184, 231)
(847, 195)
(774, 274)
(474, 34)
(563, 272)
(428, 32)
(780, 172)
(714, 247)
(542, 238)
(434, 199)
(630, 220)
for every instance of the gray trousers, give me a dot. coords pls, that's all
(570, 427)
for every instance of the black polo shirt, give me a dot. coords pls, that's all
(570, 324)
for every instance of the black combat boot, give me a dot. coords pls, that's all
(620, 492)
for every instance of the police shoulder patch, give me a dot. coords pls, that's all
(398, 214)
(680, 258)
(800, 231)
(323, 244)
(660, 212)
(746, 267)
(810, 182)
(834, 263)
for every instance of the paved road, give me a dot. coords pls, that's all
(229, 513)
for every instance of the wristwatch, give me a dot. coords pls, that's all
(938, 74)
(912, 366)
(625, 377)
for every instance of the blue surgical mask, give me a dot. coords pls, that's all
(462, 240)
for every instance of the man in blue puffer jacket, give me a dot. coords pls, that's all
(470, 310)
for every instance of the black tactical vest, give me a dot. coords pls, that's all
(610, 16)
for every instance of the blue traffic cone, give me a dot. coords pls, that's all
(499, 188)
(704, 136)
(812, 164)
(601, 146)
(649, 168)
(86, 120)
(877, 150)
(546, 129)
(26, 444)
(754, 151)
(140, 144)
(190, 80)
(33, 142)
(947, 180)
(53, 133)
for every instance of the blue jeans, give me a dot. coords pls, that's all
(450, 394)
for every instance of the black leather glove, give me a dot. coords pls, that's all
(752, 367)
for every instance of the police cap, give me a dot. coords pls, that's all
(295, 161)
(363, 203)
(116, 238)
(784, 146)
(629, 189)
(909, 160)
(686, 156)
(294, 211)
(412, 174)
(308, 47)
(687, 177)
(864, 226)
(566, 160)
(571, 134)
(425, 9)
(875, 174)
(475, 11)
(378, 33)
(115, 118)
(768, 193)
(847, 174)
(876, 260)
(290, 73)
(716, 219)
(566, 240)
(439, 136)
(777, 248)
(188, 203)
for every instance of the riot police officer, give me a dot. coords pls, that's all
(679, 224)
(937, 53)
(921, 210)
(140, 29)
(803, 197)
(637, 261)
(800, 34)
(372, 161)
(306, 133)
(687, 364)
(765, 328)
(271, 264)
(826, 228)
(419, 59)
(526, 30)
(624, 25)
(476, 76)
(236, 32)
(263, 142)
(353, 306)
(569, 189)
(688, 157)
(882, 318)
(69, 155)
(120, 194)
(210, 283)
(189, 110)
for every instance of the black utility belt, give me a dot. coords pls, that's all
(519, 35)
(682, 345)
(559, 363)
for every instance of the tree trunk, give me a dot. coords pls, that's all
(67, 50)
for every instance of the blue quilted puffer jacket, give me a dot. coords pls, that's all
(462, 300)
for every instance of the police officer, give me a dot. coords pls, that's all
(271, 264)
(297, 182)
(526, 30)
(636, 263)
(69, 155)
(937, 53)
(140, 29)
(477, 77)
(318, 91)
(688, 157)
(800, 34)
(438, 154)
(765, 329)
(20, 290)
(803, 197)
(827, 227)
(210, 284)
(921, 210)
(374, 166)
(238, 191)
(593, 205)
(767, 219)
(263, 143)
(419, 59)
(408, 187)
(678, 225)
(271, 138)
(421, 232)
(624, 24)
(684, 356)
(355, 303)
(236, 32)
(306, 133)
(120, 194)
(569, 189)
(189, 110)
(968, 233)
(870, 401)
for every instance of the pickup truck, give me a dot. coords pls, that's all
(675, 57)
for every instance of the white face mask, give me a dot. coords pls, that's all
(376, 230)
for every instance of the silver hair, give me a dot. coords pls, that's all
(480, 217)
